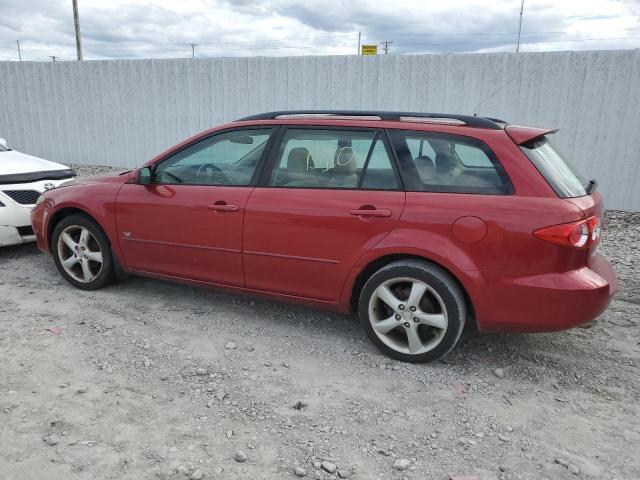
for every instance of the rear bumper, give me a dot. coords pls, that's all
(544, 303)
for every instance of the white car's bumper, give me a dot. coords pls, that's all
(15, 216)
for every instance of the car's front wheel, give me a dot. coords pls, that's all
(82, 253)
(413, 311)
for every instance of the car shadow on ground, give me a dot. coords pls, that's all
(283, 317)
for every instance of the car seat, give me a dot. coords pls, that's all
(345, 168)
(300, 168)
(426, 168)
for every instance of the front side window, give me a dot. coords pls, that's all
(439, 162)
(228, 158)
(319, 158)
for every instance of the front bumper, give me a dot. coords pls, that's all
(15, 217)
(544, 303)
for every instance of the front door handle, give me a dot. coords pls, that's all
(369, 211)
(222, 206)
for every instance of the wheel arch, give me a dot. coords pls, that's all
(64, 212)
(375, 264)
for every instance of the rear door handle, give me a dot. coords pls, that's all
(223, 207)
(371, 212)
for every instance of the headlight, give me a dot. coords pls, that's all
(40, 200)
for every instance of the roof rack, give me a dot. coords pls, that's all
(472, 121)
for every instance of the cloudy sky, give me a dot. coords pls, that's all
(164, 28)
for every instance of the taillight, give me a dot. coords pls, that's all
(595, 229)
(580, 234)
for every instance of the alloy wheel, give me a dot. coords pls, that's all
(79, 253)
(408, 315)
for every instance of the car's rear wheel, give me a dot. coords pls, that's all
(412, 311)
(82, 253)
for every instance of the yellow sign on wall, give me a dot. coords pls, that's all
(369, 49)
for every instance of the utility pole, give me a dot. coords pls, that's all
(386, 45)
(520, 27)
(359, 35)
(76, 22)
(193, 50)
(53, 58)
(19, 52)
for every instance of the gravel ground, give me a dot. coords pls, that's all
(147, 379)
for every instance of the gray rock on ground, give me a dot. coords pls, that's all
(328, 467)
(401, 464)
(240, 456)
(300, 471)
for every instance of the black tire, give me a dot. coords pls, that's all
(105, 274)
(437, 279)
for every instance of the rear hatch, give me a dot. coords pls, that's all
(566, 181)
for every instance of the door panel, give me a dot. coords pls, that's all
(303, 242)
(190, 231)
(188, 221)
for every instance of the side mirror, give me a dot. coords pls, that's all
(3, 143)
(144, 176)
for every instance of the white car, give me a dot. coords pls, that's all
(23, 178)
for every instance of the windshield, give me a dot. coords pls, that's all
(563, 177)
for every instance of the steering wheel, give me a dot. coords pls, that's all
(213, 174)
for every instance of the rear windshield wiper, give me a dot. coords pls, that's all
(593, 183)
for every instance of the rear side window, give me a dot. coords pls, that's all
(439, 162)
(335, 159)
(563, 177)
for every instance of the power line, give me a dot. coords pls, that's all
(504, 42)
(295, 39)
(211, 46)
(179, 50)
(395, 34)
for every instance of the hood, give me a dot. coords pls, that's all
(17, 167)
(13, 162)
(112, 177)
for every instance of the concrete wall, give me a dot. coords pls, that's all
(124, 112)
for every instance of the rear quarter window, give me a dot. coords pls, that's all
(562, 176)
(448, 163)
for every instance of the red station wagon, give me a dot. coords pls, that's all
(418, 222)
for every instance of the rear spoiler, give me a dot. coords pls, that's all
(522, 135)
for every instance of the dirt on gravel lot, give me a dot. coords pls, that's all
(146, 379)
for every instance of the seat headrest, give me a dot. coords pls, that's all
(345, 160)
(299, 160)
(444, 162)
(424, 162)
